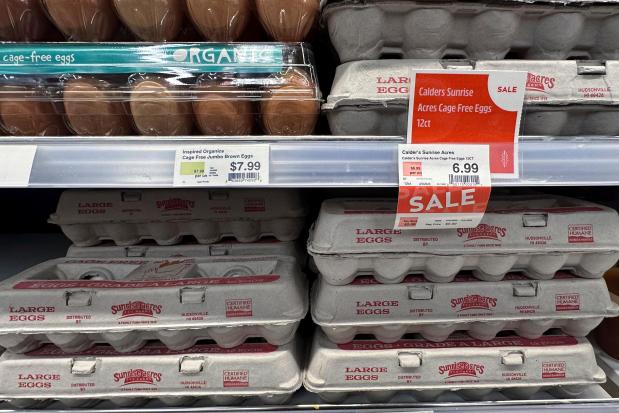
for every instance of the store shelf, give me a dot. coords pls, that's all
(301, 161)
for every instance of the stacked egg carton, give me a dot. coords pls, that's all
(560, 44)
(533, 266)
(140, 317)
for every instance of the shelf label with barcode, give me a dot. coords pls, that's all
(443, 186)
(222, 165)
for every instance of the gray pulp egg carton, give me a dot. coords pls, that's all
(204, 371)
(77, 302)
(537, 235)
(563, 98)
(371, 29)
(225, 248)
(514, 365)
(126, 217)
(482, 309)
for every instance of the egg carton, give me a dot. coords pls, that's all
(157, 21)
(77, 302)
(482, 309)
(225, 248)
(181, 89)
(563, 98)
(128, 217)
(537, 235)
(513, 365)
(204, 371)
(369, 30)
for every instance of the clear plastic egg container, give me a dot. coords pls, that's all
(124, 89)
(158, 20)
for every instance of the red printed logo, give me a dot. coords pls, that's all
(567, 302)
(553, 370)
(579, 233)
(255, 205)
(483, 231)
(461, 369)
(239, 308)
(540, 83)
(236, 378)
(137, 376)
(474, 301)
(176, 204)
(136, 309)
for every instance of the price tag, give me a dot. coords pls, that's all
(222, 165)
(469, 107)
(442, 186)
(16, 165)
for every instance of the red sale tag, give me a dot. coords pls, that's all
(442, 186)
(469, 107)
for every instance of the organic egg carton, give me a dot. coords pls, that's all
(180, 89)
(371, 29)
(77, 302)
(157, 21)
(482, 309)
(537, 235)
(128, 217)
(204, 371)
(514, 365)
(563, 98)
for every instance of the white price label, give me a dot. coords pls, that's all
(222, 165)
(16, 165)
(442, 186)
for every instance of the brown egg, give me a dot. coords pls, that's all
(157, 110)
(94, 109)
(24, 113)
(24, 21)
(288, 20)
(220, 20)
(221, 110)
(293, 108)
(152, 20)
(84, 20)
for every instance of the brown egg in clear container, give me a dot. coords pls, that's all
(94, 107)
(223, 106)
(288, 20)
(159, 108)
(24, 21)
(292, 107)
(152, 20)
(84, 20)
(24, 111)
(220, 20)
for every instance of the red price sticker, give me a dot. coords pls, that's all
(443, 186)
(469, 107)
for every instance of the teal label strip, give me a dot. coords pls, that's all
(122, 58)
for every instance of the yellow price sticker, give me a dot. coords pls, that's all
(192, 168)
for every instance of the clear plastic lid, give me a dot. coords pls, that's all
(146, 89)
(157, 20)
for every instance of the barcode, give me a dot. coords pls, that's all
(464, 179)
(243, 176)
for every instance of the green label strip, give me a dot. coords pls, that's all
(122, 58)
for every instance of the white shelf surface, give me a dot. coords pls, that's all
(301, 161)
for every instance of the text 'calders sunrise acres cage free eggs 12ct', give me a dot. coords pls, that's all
(118, 89)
